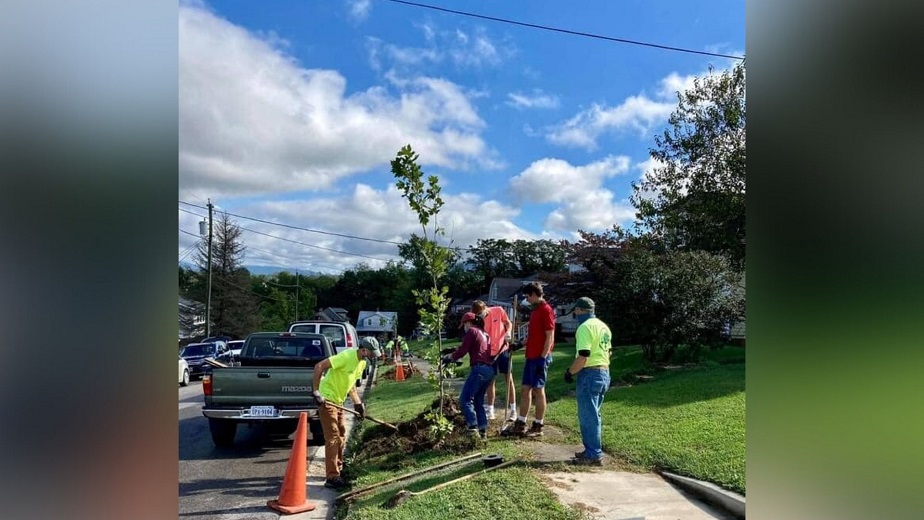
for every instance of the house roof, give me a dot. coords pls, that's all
(508, 287)
(333, 314)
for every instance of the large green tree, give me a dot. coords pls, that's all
(491, 258)
(695, 201)
(661, 299)
(233, 304)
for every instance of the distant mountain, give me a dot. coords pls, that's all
(273, 269)
(262, 269)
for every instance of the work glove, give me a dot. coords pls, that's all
(360, 409)
(516, 346)
(569, 377)
(547, 360)
(447, 351)
(317, 396)
(446, 360)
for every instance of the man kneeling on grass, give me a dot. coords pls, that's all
(340, 373)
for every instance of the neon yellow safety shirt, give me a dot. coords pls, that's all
(345, 369)
(595, 336)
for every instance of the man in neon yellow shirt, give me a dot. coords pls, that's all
(340, 373)
(592, 366)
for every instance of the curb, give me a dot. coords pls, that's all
(727, 500)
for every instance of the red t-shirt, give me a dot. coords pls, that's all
(541, 319)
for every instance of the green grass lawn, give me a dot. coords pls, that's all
(689, 421)
(482, 497)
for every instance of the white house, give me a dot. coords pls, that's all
(373, 322)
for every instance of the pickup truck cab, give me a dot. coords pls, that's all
(272, 385)
(342, 335)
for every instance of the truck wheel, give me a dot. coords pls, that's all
(317, 433)
(222, 432)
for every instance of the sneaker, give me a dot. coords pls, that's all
(491, 414)
(535, 430)
(336, 483)
(580, 454)
(483, 434)
(584, 461)
(512, 414)
(517, 430)
(472, 432)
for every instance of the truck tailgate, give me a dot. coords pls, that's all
(274, 386)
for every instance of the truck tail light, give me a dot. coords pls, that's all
(349, 341)
(207, 385)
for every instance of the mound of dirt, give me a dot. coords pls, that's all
(414, 436)
(410, 370)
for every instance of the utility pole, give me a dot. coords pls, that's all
(208, 299)
(296, 295)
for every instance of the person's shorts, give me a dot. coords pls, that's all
(502, 363)
(535, 372)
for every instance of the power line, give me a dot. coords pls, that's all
(190, 234)
(311, 245)
(302, 228)
(280, 238)
(567, 31)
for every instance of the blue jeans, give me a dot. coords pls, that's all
(591, 388)
(472, 397)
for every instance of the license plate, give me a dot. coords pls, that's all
(262, 411)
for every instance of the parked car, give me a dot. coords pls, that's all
(184, 372)
(341, 335)
(234, 347)
(195, 355)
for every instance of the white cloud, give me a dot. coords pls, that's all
(359, 9)
(640, 113)
(474, 49)
(584, 203)
(365, 212)
(637, 112)
(538, 99)
(253, 121)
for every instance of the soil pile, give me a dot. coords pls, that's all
(415, 436)
(410, 370)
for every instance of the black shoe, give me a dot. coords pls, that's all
(336, 483)
(584, 461)
(535, 430)
(580, 454)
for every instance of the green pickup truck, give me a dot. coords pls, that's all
(272, 385)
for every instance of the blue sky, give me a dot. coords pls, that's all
(290, 112)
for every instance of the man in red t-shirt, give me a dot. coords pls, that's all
(540, 340)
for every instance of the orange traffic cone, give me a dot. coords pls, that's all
(399, 372)
(293, 497)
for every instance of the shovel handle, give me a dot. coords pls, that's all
(354, 412)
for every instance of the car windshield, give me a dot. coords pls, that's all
(194, 350)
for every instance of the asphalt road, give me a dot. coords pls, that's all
(236, 482)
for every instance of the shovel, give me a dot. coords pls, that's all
(354, 412)
(404, 494)
(507, 421)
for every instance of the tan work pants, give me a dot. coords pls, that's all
(332, 421)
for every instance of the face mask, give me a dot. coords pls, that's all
(581, 318)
